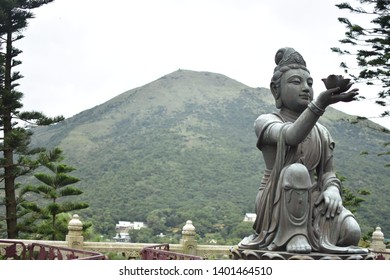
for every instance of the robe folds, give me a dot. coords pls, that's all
(314, 152)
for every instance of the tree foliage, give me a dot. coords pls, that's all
(352, 199)
(43, 205)
(17, 157)
(370, 44)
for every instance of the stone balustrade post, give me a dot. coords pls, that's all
(188, 242)
(378, 241)
(74, 237)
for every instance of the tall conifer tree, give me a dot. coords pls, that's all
(16, 160)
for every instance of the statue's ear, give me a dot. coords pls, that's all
(276, 94)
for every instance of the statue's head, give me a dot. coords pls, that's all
(289, 61)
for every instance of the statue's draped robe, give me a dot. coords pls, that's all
(314, 153)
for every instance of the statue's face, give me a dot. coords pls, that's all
(296, 90)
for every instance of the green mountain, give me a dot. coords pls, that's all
(183, 148)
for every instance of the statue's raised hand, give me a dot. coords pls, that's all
(332, 96)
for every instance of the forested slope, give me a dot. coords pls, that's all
(183, 148)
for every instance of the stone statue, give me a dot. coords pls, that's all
(299, 207)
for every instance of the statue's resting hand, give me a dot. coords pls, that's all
(332, 202)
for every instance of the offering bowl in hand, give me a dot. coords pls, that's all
(334, 81)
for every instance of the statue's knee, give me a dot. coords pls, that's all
(296, 176)
(296, 184)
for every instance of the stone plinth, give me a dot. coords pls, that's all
(281, 255)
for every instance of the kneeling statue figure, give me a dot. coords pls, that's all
(299, 207)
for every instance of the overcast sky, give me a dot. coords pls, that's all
(80, 53)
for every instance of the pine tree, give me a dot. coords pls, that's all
(352, 199)
(370, 44)
(17, 157)
(43, 205)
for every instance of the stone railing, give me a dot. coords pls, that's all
(188, 244)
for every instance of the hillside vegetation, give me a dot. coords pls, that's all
(183, 148)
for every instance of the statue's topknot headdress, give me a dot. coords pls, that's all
(288, 56)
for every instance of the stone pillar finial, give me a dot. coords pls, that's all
(188, 229)
(188, 239)
(378, 240)
(74, 237)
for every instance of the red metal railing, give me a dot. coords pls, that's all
(381, 255)
(39, 251)
(14, 250)
(36, 251)
(161, 252)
